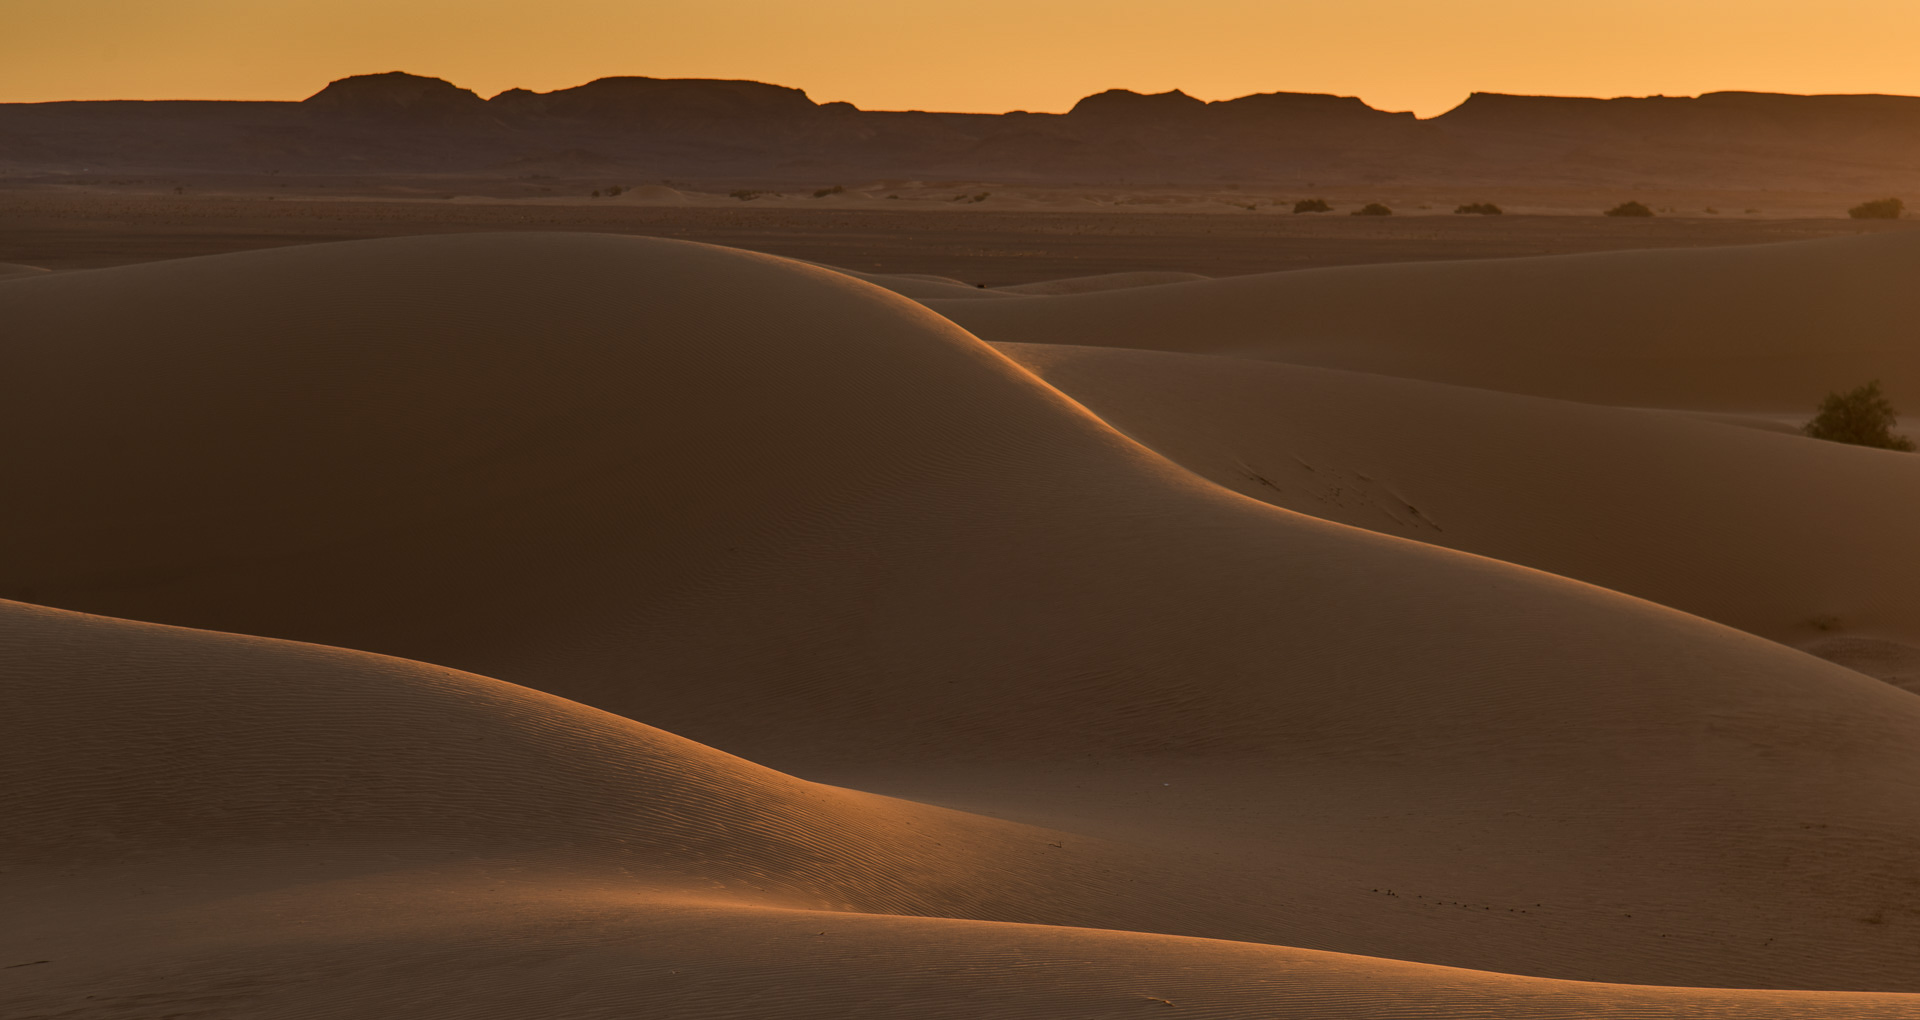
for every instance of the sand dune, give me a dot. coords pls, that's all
(653, 194)
(928, 287)
(290, 830)
(1104, 281)
(1757, 328)
(13, 270)
(1779, 535)
(923, 286)
(789, 515)
(1898, 663)
(132, 745)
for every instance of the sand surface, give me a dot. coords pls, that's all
(92, 223)
(1759, 327)
(564, 625)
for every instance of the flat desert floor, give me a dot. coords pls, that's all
(1054, 237)
(505, 611)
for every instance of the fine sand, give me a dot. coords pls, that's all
(1155, 656)
(1758, 327)
(1672, 508)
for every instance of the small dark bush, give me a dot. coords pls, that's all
(596, 192)
(1312, 205)
(1629, 209)
(1882, 209)
(745, 194)
(835, 190)
(614, 192)
(1372, 209)
(1860, 416)
(1478, 209)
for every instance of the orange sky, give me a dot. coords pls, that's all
(982, 55)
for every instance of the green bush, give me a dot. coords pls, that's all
(1478, 209)
(1882, 209)
(1629, 209)
(1312, 205)
(1372, 209)
(1861, 416)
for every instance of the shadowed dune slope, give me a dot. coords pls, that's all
(1775, 534)
(237, 826)
(919, 286)
(14, 271)
(1764, 327)
(787, 514)
(1104, 281)
(130, 745)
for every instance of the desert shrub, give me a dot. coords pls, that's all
(596, 192)
(1861, 416)
(835, 190)
(1629, 209)
(745, 194)
(614, 192)
(1312, 205)
(1880, 209)
(1372, 209)
(1478, 209)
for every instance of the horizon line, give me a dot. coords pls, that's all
(977, 113)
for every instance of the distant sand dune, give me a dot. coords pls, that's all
(923, 286)
(1105, 281)
(1779, 535)
(1895, 662)
(789, 515)
(928, 287)
(1757, 328)
(653, 194)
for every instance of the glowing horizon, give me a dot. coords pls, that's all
(995, 56)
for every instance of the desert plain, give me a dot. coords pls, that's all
(1112, 603)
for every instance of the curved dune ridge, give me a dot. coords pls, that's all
(791, 516)
(920, 286)
(1776, 534)
(14, 271)
(1103, 281)
(1758, 328)
(292, 830)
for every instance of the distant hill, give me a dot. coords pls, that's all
(396, 94)
(700, 128)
